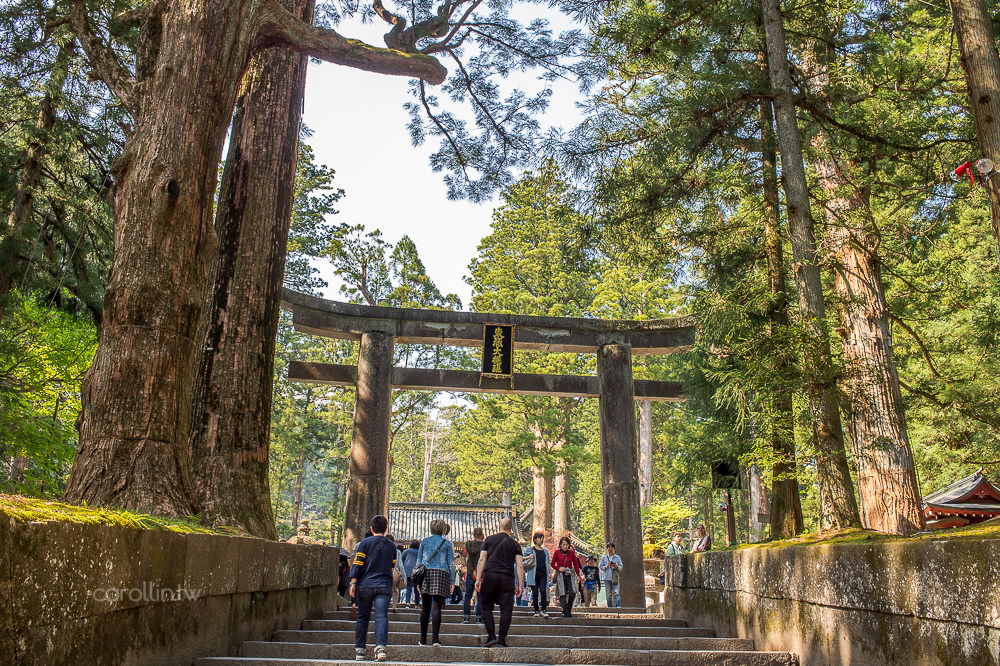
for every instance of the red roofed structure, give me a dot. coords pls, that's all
(966, 502)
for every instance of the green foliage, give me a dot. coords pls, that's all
(43, 354)
(661, 519)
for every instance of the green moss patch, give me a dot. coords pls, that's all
(986, 530)
(29, 509)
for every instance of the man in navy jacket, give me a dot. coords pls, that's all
(371, 584)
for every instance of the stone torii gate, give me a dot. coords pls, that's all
(379, 328)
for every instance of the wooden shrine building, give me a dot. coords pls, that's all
(966, 502)
(378, 329)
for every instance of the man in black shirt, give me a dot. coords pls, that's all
(372, 585)
(499, 579)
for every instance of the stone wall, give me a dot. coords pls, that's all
(95, 594)
(914, 603)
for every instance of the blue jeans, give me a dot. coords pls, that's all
(369, 598)
(415, 589)
(470, 587)
(614, 594)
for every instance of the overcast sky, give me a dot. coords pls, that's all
(359, 127)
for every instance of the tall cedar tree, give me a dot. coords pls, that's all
(190, 62)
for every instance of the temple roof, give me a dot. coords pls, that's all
(974, 490)
(412, 520)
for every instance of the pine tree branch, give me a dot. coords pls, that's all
(279, 27)
(103, 59)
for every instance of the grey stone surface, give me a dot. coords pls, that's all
(49, 572)
(916, 602)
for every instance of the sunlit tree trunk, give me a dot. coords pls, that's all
(560, 508)
(836, 488)
(297, 498)
(887, 483)
(542, 492)
(645, 452)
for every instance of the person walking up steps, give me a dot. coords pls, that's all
(498, 579)
(611, 566)
(409, 558)
(371, 585)
(566, 572)
(472, 549)
(536, 574)
(437, 554)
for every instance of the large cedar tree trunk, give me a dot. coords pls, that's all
(560, 502)
(786, 506)
(837, 499)
(542, 487)
(887, 481)
(231, 409)
(136, 396)
(981, 64)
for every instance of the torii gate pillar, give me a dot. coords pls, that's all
(620, 470)
(368, 476)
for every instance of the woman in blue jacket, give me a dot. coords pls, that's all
(537, 577)
(437, 554)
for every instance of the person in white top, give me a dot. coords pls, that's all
(611, 566)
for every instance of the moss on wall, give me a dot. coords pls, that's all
(29, 509)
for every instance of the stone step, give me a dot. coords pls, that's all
(346, 638)
(327, 655)
(559, 626)
(582, 619)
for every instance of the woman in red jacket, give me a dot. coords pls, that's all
(565, 573)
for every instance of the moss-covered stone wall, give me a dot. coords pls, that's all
(76, 593)
(920, 602)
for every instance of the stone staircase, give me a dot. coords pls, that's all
(617, 637)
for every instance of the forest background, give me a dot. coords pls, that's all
(664, 201)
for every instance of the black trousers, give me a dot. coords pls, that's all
(497, 589)
(429, 601)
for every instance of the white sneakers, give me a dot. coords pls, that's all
(380, 655)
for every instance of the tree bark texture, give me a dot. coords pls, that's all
(786, 518)
(14, 246)
(231, 408)
(887, 482)
(645, 452)
(981, 64)
(542, 493)
(619, 468)
(887, 479)
(136, 396)
(836, 488)
(560, 506)
(370, 439)
(429, 441)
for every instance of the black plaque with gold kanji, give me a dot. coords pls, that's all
(498, 350)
